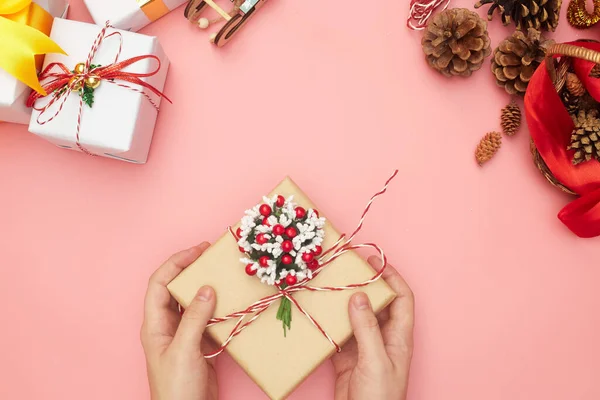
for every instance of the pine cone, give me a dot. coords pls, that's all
(595, 71)
(516, 59)
(536, 14)
(456, 41)
(510, 119)
(487, 147)
(574, 85)
(574, 104)
(585, 139)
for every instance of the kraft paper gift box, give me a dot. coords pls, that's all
(120, 124)
(276, 363)
(130, 15)
(13, 93)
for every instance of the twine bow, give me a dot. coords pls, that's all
(19, 42)
(60, 82)
(343, 245)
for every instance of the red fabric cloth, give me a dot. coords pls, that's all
(550, 127)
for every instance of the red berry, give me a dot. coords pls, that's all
(300, 212)
(291, 280)
(278, 230)
(280, 201)
(265, 210)
(264, 261)
(307, 257)
(318, 250)
(242, 249)
(239, 232)
(316, 213)
(287, 246)
(291, 232)
(261, 239)
(287, 259)
(250, 271)
(266, 221)
(313, 265)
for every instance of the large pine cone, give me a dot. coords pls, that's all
(537, 14)
(585, 139)
(516, 59)
(456, 42)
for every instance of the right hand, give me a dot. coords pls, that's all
(375, 364)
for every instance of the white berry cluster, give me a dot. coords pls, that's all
(280, 258)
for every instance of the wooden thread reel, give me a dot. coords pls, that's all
(558, 77)
(579, 17)
(242, 11)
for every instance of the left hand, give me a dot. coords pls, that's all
(174, 344)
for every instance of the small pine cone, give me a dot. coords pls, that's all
(510, 119)
(574, 85)
(487, 147)
(595, 71)
(585, 139)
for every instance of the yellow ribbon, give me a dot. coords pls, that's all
(24, 29)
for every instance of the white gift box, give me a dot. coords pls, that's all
(120, 124)
(129, 15)
(14, 93)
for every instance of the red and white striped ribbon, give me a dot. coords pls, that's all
(421, 10)
(343, 245)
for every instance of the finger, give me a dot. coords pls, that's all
(194, 319)
(160, 312)
(366, 330)
(398, 330)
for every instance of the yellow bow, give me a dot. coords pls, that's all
(24, 27)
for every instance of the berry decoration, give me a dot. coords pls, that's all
(250, 270)
(278, 230)
(261, 239)
(280, 201)
(318, 250)
(300, 213)
(307, 257)
(291, 280)
(287, 246)
(291, 232)
(265, 210)
(281, 241)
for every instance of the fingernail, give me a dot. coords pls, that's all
(205, 293)
(360, 301)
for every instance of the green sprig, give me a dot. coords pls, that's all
(284, 314)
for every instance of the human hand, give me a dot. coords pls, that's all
(174, 344)
(375, 364)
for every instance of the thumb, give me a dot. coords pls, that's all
(194, 319)
(366, 329)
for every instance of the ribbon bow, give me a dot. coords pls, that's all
(60, 82)
(20, 42)
(342, 246)
(550, 126)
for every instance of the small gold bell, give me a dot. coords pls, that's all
(92, 81)
(80, 68)
(75, 84)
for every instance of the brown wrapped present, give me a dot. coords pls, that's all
(278, 363)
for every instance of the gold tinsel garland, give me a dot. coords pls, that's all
(579, 17)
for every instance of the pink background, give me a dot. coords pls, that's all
(335, 94)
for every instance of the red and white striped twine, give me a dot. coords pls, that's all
(342, 246)
(421, 10)
(61, 84)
